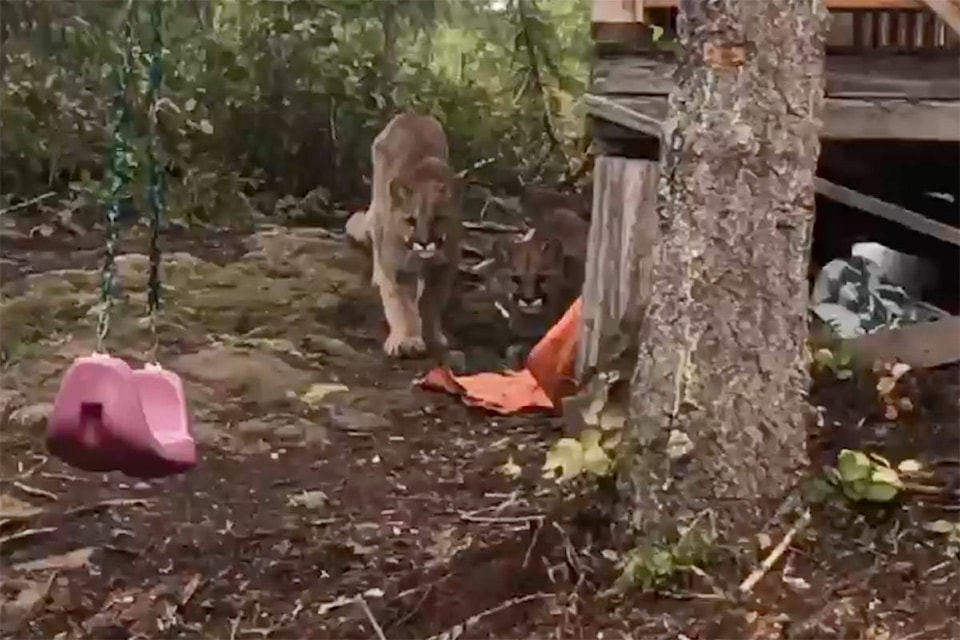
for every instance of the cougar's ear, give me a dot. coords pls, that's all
(400, 191)
(552, 250)
(501, 251)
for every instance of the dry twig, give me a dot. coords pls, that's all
(34, 491)
(768, 562)
(461, 628)
(373, 621)
(466, 517)
(488, 226)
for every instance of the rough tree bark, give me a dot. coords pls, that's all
(721, 375)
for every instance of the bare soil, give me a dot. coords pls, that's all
(386, 505)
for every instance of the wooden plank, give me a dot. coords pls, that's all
(927, 77)
(843, 119)
(923, 77)
(947, 10)
(925, 344)
(634, 74)
(623, 232)
(645, 115)
(888, 211)
(833, 5)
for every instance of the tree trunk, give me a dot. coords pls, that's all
(718, 398)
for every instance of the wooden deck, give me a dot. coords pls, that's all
(892, 70)
(892, 74)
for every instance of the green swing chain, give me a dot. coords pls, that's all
(120, 175)
(155, 189)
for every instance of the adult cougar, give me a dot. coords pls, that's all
(414, 228)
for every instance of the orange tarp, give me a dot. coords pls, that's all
(547, 378)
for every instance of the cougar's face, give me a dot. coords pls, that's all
(427, 212)
(534, 270)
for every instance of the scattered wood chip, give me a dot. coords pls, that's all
(308, 499)
(71, 560)
(106, 504)
(13, 508)
(492, 227)
(35, 491)
(459, 630)
(190, 588)
(27, 533)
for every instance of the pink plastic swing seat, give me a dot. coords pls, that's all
(108, 417)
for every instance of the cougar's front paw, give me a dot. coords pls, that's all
(517, 356)
(440, 339)
(399, 346)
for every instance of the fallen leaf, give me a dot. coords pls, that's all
(797, 584)
(940, 526)
(899, 369)
(886, 384)
(510, 469)
(309, 499)
(595, 459)
(317, 392)
(567, 455)
(909, 466)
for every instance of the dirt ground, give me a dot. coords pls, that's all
(335, 500)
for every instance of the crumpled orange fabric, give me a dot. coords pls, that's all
(547, 378)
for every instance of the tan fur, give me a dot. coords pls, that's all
(415, 206)
(541, 274)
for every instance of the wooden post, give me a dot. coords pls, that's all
(623, 231)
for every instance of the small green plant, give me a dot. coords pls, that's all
(867, 476)
(651, 567)
(839, 361)
(594, 450)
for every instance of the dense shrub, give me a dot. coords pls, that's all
(285, 96)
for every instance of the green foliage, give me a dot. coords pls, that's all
(838, 361)
(951, 530)
(285, 96)
(653, 566)
(594, 451)
(868, 476)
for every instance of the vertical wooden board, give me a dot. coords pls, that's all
(623, 230)
(617, 11)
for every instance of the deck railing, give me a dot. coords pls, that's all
(857, 26)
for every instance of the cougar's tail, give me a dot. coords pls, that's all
(357, 228)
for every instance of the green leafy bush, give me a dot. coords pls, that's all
(285, 96)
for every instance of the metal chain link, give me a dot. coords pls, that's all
(155, 191)
(119, 176)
